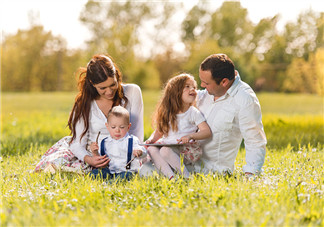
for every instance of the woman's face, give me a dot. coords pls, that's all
(108, 88)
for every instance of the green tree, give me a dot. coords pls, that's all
(233, 33)
(168, 65)
(35, 60)
(118, 28)
(147, 75)
(320, 31)
(319, 69)
(199, 51)
(230, 27)
(193, 25)
(72, 61)
(306, 76)
(302, 36)
(298, 40)
(32, 61)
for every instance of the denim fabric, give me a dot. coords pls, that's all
(105, 174)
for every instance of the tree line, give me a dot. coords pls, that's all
(269, 60)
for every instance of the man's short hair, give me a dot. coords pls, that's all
(220, 66)
(119, 111)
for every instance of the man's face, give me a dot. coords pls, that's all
(207, 81)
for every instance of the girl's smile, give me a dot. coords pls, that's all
(189, 92)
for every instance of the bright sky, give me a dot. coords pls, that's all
(62, 16)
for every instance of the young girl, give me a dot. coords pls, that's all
(177, 121)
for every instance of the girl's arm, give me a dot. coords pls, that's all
(203, 133)
(156, 135)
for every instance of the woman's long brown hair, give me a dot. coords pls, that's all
(170, 104)
(99, 68)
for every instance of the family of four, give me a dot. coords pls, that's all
(201, 129)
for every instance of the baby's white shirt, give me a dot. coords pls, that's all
(117, 151)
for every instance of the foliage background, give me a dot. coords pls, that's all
(268, 60)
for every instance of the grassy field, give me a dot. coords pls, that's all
(289, 192)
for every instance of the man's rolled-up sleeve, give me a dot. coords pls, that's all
(250, 123)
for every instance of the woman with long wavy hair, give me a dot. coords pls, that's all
(100, 89)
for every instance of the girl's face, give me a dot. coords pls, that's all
(189, 92)
(108, 88)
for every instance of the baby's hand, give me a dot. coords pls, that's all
(137, 153)
(94, 148)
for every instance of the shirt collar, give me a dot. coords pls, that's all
(230, 92)
(234, 88)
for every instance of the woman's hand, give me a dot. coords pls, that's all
(97, 161)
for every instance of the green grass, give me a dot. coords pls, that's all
(291, 104)
(289, 192)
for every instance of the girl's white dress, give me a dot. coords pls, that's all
(71, 157)
(187, 123)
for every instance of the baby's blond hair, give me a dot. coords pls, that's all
(119, 111)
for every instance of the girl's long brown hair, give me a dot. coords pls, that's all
(99, 68)
(170, 104)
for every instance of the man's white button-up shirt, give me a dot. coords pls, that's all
(233, 117)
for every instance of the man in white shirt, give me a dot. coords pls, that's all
(233, 113)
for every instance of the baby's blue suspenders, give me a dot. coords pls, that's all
(129, 150)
